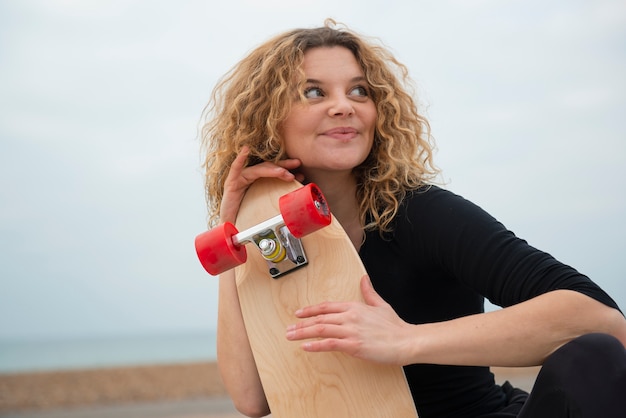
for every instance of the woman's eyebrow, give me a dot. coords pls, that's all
(352, 80)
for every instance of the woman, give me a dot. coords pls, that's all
(328, 106)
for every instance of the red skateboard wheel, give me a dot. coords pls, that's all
(304, 210)
(216, 250)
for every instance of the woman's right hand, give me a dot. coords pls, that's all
(241, 177)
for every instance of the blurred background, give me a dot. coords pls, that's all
(101, 194)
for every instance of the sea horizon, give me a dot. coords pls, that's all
(25, 355)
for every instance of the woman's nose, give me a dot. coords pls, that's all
(340, 106)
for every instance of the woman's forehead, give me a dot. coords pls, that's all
(328, 60)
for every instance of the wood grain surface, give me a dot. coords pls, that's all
(297, 383)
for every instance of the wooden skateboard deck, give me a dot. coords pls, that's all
(299, 384)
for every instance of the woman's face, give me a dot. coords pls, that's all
(334, 131)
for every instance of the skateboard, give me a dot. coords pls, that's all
(292, 253)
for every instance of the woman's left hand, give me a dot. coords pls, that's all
(370, 331)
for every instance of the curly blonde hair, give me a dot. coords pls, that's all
(250, 102)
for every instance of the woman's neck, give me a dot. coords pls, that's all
(340, 193)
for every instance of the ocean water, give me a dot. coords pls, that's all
(67, 354)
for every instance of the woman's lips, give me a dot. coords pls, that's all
(341, 133)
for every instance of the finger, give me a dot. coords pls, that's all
(238, 164)
(327, 319)
(369, 294)
(292, 164)
(289, 164)
(329, 344)
(243, 175)
(321, 330)
(255, 172)
(320, 309)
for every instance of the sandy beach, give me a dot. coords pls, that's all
(191, 390)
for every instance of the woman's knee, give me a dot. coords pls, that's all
(602, 347)
(591, 356)
(586, 377)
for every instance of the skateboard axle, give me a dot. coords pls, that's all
(282, 251)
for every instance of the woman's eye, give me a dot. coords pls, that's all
(313, 93)
(359, 91)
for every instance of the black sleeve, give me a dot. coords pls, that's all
(480, 252)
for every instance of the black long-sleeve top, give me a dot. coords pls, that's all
(444, 256)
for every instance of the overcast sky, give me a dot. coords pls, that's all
(100, 189)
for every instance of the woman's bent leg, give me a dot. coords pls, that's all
(586, 378)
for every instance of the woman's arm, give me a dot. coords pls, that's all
(520, 335)
(235, 360)
(234, 355)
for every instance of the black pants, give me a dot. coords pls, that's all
(586, 378)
